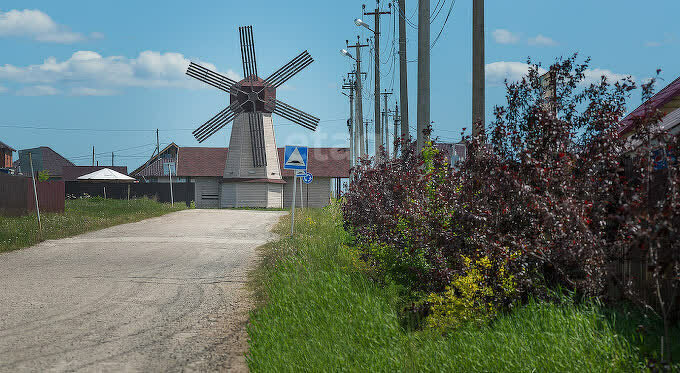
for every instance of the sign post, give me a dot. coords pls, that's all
(170, 167)
(35, 193)
(294, 158)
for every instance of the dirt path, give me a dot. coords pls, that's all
(163, 294)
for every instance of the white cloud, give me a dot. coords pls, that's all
(104, 74)
(595, 75)
(37, 25)
(86, 91)
(497, 72)
(667, 40)
(38, 90)
(503, 36)
(541, 40)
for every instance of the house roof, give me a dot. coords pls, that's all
(5, 146)
(323, 162)
(210, 162)
(197, 161)
(668, 96)
(71, 173)
(154, 166)
(52, 162)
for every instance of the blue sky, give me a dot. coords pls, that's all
(76, 74)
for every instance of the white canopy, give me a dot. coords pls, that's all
(107, 175)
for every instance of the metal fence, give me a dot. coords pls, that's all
(17, 198)
(182, 192)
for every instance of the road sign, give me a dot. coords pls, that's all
(307, 177)
(295, 157)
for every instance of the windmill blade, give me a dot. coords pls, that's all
(216, 123)
(289, 70)
(292, 114)
(257, 139)
(208, 76)
(248, 51)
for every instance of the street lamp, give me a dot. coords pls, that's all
(359, 22)
(345, 53)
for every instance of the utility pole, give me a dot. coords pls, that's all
(403, 73)
(376, 38)
(385, 114)
(350, 122)
(93, 155)
(358, 106)
(423, 71)
(397, 119)
(158, 144)
(367, 125)
(478, 67)
(111, 159)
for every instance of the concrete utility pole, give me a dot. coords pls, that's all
(397, 119)
(358, 106)
(350, 122)
(112, 159)
(367, 125)
(376, 37)
(478, 67)
(385, 114)
(403, 73)
(423, 71)
(93, 155)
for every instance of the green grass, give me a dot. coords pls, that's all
(319, 312)
(80, 215)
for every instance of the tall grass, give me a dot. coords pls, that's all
(320, 312)
(80, 215)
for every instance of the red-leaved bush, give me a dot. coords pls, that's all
(551, 192)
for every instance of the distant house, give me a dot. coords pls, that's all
(205, 168)
(667, 100)
(6, 156)
(157, 168)
(44, 159)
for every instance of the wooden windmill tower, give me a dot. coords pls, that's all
(252, 175)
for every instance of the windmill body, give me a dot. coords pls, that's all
(252, 174)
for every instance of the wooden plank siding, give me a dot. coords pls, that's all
(315, 194)
(207, 193)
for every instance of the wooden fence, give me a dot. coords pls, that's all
(17, 198)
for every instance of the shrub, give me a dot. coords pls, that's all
(545, 191)
(472, 298)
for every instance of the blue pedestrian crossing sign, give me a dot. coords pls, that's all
(295, 157)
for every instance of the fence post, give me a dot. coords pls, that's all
(35, 193)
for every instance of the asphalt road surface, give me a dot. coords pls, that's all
(163, 294)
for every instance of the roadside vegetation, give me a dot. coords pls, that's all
(321, 309)
(554, 246)
(80, 216)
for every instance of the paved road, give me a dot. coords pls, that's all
(164, 294)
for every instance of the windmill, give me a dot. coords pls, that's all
(253, 96)
(252, 147)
